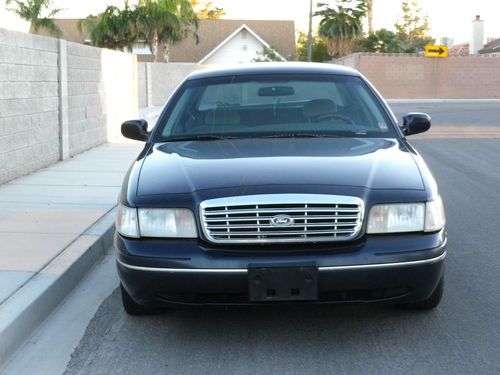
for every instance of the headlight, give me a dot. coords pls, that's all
(406, 217)
(434, 215)
(396, 218)
(126, 221)
(167, 222)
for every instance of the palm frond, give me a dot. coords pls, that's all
(31, 11)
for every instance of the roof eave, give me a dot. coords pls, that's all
(232, 35)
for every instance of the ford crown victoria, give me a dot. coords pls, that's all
(279, 183)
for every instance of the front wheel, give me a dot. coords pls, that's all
(429, 303)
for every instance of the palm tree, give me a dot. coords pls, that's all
(114, 28)
(31, 11)
(164, 22)
(157, 23)
(341, 25)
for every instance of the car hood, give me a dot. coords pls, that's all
(183, 167)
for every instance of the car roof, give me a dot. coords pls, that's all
(273, 68)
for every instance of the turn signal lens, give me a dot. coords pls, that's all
(126, 221)
(434, 215)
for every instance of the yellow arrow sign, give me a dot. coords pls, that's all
(436, 51)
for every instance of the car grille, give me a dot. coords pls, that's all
(278, 218)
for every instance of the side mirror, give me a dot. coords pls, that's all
(414, 123)
(135, 129)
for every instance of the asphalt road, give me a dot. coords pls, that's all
(462, 336)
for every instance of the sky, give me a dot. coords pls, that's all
(448, 18)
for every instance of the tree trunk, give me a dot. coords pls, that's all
(370, 15)
(331, 47)
(339, 47)
(166, 52)
(154, 48)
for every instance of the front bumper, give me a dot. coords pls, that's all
(392, 269)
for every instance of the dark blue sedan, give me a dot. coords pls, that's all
(279, 183)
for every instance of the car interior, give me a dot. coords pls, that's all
(273, 108)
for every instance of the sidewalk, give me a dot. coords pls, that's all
(53, 225)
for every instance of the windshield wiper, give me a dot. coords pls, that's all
(211, 137)
(201, 137)
(301, 135)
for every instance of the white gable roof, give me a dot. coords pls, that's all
(233, 34)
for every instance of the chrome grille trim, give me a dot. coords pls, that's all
(313, 218)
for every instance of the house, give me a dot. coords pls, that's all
(221, 41)
(235, 41)
(492, 48)
(459, 50)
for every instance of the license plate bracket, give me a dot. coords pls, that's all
(283, 283)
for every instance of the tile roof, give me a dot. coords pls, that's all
(459, 50)
(69, 28)
(491, 47)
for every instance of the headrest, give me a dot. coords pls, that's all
(222, 117)
(318, 107)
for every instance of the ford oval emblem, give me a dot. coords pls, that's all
(282, 221)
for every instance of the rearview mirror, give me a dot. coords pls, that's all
(414, 123)
(135, 129)
(276, 91)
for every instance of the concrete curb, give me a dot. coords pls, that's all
(23, 312)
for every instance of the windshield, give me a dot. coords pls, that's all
(274, 106)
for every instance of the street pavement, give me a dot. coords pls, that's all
(462, 336)
(455, 119)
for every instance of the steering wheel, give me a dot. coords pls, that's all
(328, 116)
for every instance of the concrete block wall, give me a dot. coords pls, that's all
(400, 76)
(157, 81)
(58, 99)
(142, 89)
(86, 111)
(469, 77)
(29, 103)
(351, 60)
(407, 76)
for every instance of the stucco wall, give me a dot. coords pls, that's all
(119, 94)
(58, 99)
(399, 76)
(242, 48)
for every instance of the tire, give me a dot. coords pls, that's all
(131, 307)
(429, 303)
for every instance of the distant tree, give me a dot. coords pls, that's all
(206, 10)
(319, 51)
(341, 25)
(267, 54)
(381, 41)
(31, 11)
(413, 27)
